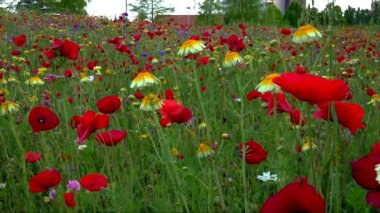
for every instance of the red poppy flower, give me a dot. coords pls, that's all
(295, 197)
(254, 153)
(364, 173)
(42, 119)
(69, 199)
(282, 104)
(172, 112)
(109, 104)
(312, 88)
(16, 52)
(94, 182)
(253, 95)
(203, 61)
(296, 117)
(44, 180)
(111, 137)
(285, 31)
(370, 92)
(349, 115)
(70, 50)
(139, 95)
(68, 73)
(242, 26)
(137, 37)
(88, 123)
(19, 41)
(56, 44)
(92, 64)
(373, 199)
(235, 44)
(50, 55)
(169, 94)
(32, 157)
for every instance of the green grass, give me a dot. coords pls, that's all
(143, 174)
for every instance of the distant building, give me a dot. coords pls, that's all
(179, 19)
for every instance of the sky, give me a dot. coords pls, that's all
(112, 8)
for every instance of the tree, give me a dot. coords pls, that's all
(242, 10)
(375, 8)
(272, 15)
(55, 6)
(293, 13)
(152, 8)
(334, 12)
(363, 16)
(72, 6)
(207, 11)
(312, 14)
(349, 16)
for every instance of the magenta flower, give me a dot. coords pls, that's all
(73, 185)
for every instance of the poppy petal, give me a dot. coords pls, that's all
(349, 115)
(295, 197)
(373, 199)
(109, 104)
(32, 157)
(254, 153)
(44, 180)
(111, 137)
(42, 119)
(94, 182)
(69, 199)
(312, 88)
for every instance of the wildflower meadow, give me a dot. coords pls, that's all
(102, 115)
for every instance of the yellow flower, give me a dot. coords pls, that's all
(306, 33)
(34, 81)
(154, 60)
(248, 57)
(9, 107)
(204, 150)
(85, 78)
(4, 91)
(202, 125)
(226, 135)
(231, 59)
(20, 59)
(144, 79)
(33, 98)
(174, 151)
(268, 85)
(41, 70)
(191, 46)
(12, 79)
(374, 99)
(97, 70)
(144, 135)
(108, 71)
(3, 81)
(308, 143)
(151, 102)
